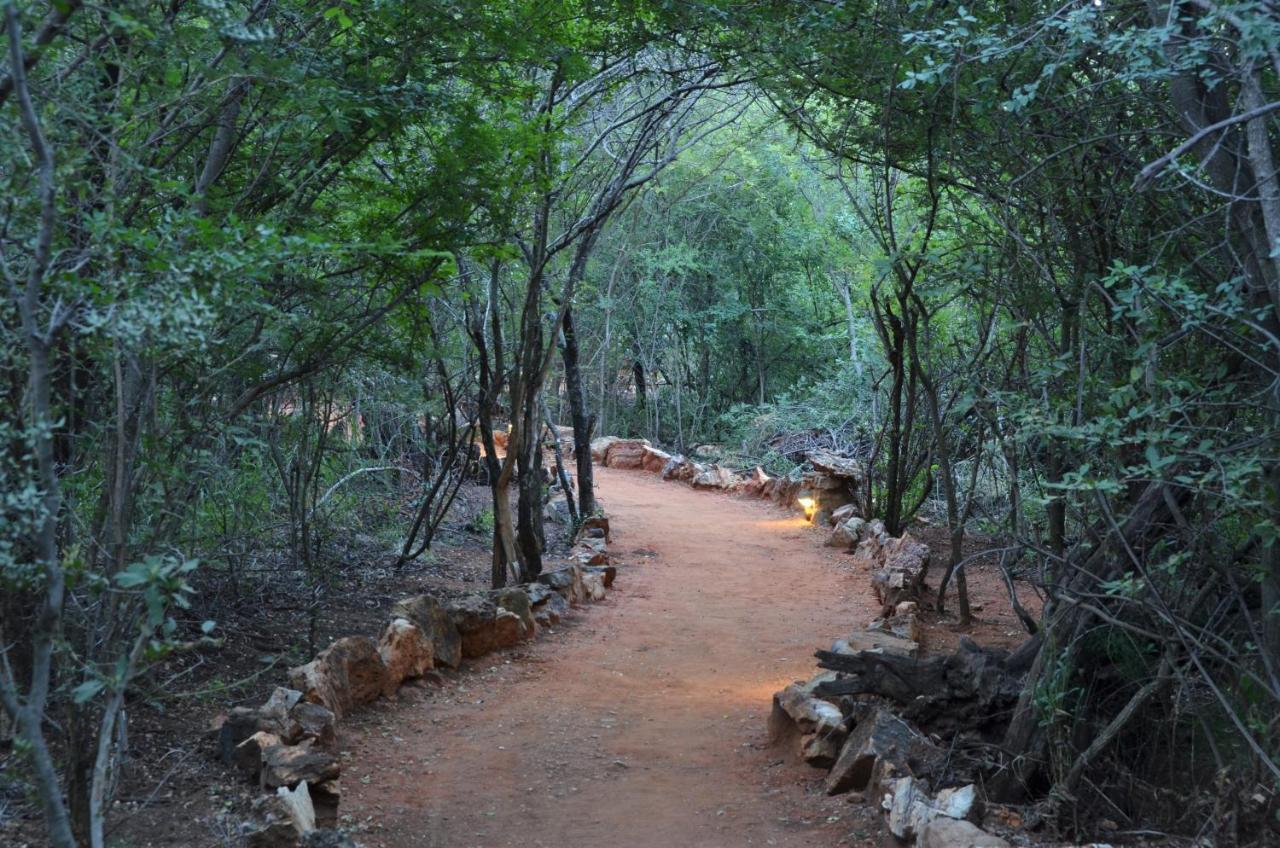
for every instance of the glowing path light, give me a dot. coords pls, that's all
(810, 506)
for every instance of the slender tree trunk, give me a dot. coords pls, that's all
(641, 389)
(579, 418)
(894, 490)
(1056, 460)
(955, 521)
(492, 375)
(28, 709)
(846, 297)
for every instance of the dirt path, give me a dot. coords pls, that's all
(642, 723)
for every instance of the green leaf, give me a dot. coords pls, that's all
(86, 691)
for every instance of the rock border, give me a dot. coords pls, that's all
(287, 745)
(834, 483)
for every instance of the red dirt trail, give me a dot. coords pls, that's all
(640, 723)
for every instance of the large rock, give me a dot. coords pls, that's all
(284, 715)
(516, 601)
(289, 765)
(282, 820)
(809, 713)
(474, 616)
(594, 534)
(243, 722)
(567, 581)
(429, 615)
(597, 522)
(757, 484)
(328, 839)
(552, 610)
(905, 626)
(680, 469)
(820, 750)
(590, 551)
(593, 585)
(844, 513)
(911, 808)
(626, 453)
(249, 755)
(876, 641)
(537, 592)
(280, 702)
(276, 832)
(828, 494)
(347, 673)
(880, 746)
(297, 804)
(782, 490)
(326, 797)
(556, 511)
(654, 460)
(600, 448)
(608, 573)
(406, 651)
(310, 721)
(834, 465)
(714, 477)
(903, 564)
(955, 833)
(843, 535)
(870, 551)
(508, 629)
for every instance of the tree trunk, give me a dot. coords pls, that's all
(1026, 741)
(641, 390)
(526, 398)
(891, 336)
(579, 418)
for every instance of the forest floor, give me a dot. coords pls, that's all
(645, 724)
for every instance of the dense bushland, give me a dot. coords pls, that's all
(271, 268)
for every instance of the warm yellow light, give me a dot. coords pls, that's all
(810, 506)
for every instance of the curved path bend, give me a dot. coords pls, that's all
(640, 723)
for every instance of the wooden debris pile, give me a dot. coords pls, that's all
(886, 724)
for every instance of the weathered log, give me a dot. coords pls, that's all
(973, 688)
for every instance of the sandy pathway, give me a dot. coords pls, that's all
(642, 723)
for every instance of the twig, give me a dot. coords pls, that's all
(329, 492)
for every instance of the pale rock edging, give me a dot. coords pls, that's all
(833, 483)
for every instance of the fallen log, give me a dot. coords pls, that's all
(974, 688)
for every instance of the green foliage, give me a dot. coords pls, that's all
(924, 233)
(482, 524)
